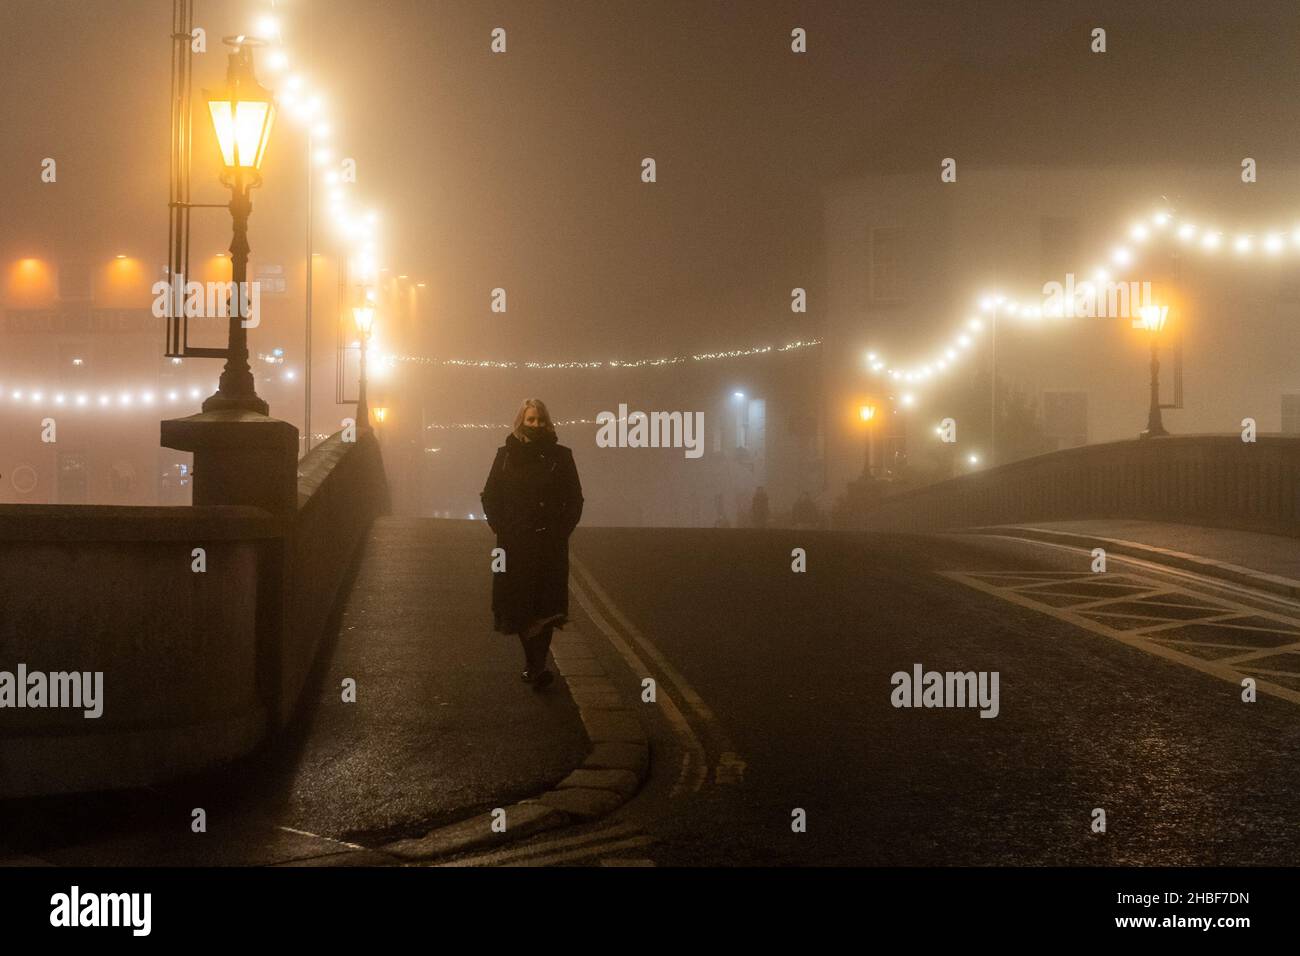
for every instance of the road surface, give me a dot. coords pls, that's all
(792, 674)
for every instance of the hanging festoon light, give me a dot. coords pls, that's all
(1139, 235)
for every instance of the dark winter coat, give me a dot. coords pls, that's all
(532, 501)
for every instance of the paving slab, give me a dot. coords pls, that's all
(620, 781)
(612, 725)
(609, 755)
(583, 803)
(442, 728)
(522, 819)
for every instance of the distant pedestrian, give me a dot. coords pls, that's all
(804, 512)
(532, 502)
(758, 509)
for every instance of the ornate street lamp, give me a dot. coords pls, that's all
(1153, 320)
(364, 316)
(867, 413)
(242, 114)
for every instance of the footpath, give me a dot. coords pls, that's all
(443, 747)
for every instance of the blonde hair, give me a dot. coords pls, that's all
(542, 413)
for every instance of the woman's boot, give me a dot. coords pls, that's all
(541, 646)
(530, 671)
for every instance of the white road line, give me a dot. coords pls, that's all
(681, 726)
(522, 850)
(1102, 602)
(1149, 602)
(1175, 625)
(1125, 614)
(628, 861)
(588, 852)
(695, 701)
(1257, 653)
(1191, 642)
(317, 836)
(1204, 581)
(1084, 577)
(1212, 668)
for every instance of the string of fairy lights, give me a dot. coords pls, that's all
(123, 398)
(615, 363)
(143, 397)
(298, 97)
(1209, 241)
(470, 426)
(1162, 224)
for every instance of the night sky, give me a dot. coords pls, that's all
(522, 170)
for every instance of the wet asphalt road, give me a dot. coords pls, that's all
(797, 667)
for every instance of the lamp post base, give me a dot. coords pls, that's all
(240, 458)
(217, 402)
(1156, 432)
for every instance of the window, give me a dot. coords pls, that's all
(72, 478)
(271, 280)
(888, 280)
(74, 359)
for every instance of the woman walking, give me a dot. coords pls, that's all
(532, 501)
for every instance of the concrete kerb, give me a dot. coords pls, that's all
(1234, 573)
(611, 774)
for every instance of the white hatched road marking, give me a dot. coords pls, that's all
(610, 839)
(1215, 611)
(617, 847)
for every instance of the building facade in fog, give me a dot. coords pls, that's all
(84, 365)
(909, 259)
(762, 428)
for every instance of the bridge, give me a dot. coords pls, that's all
(225, 631)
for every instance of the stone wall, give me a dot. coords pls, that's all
(1214, 480)
(198, 667)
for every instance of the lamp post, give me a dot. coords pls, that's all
(364, 316)
(242, 115)
(867, 413)
(1153, 320)
(993, 398)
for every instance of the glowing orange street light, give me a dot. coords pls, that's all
(242, 114)
(364, 316)
(866, 413)
(1153, 319)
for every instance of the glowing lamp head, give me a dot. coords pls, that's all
(242, 112)
(1153, 317)
(867, 412)
(364, 316)
(380, 413)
